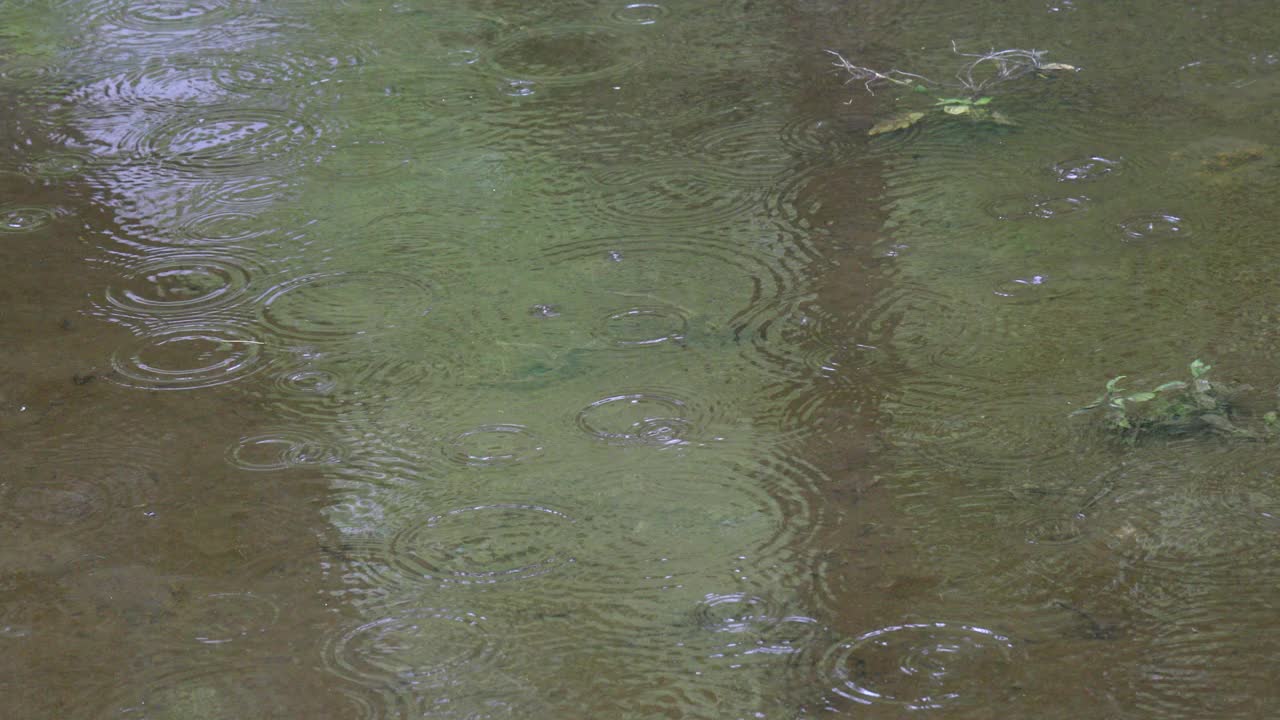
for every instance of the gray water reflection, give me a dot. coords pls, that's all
(588, 360)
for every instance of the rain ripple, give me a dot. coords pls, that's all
(341, 305)
(672, 194)
(638, 13)
(410, 651)
(484, 545)
(228, 140)
(655, 418)
(189, 356)
(282, 450)
(1154, 227)
(926, 666)
(245, 690)
(562, 56)
(75, 491)
(645, 326)
(761, 513)
(181, 285)
(25, 219)
(1086, 169)
(685, 266)
(493, 446)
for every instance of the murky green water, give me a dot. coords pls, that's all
(577, 359)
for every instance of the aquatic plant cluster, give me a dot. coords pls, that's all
(980, 75)
(1175, 408)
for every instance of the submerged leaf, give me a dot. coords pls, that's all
(1199, 368)
(1000, 118)
(1058, 66)
(956, 109)
(982, 100)
(901, 121)
(1142, 396)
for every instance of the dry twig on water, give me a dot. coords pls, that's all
(1004, 65)
(871, 77)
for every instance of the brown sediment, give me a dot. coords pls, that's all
(127, 541)
(864, 576)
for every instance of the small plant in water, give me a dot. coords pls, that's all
(1180, 407)
(974, 80)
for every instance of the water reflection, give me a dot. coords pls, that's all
(560, 361)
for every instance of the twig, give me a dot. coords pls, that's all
(1010, 64)
(870, 76)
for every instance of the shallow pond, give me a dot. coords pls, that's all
(592, 359)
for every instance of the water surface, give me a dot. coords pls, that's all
(591, 360)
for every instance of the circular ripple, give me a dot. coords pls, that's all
(1086, 169)
(245, 691)
(1030, 289)
(156, 84)
(663, 526)
(25, 219)
(408, 649)
(562, 55)
(639, 418)
(926, 666)
(639, 13)
(221, 227)
(187, 357)
(493, 446)
(485, 544)
(1178, 523)
(363, 159)
(220, 618)
(1022, 429)
(645, 326)
(753, 281)
(57, 505)
(1062, 529)
(60, 164)
(227, 140)
(749, 150)
(947, 331)
(671, 194)
(1022, 207)
(181, 284)
(820, 136)
(309, 382)
(177, 14)
(1154, 227)
(282, 450)
(735, 613)
(342, 304)
(280, 73)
